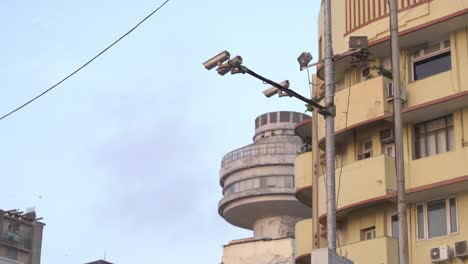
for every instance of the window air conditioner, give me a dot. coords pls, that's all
(461, 249)
(440, 254)
(390, 93)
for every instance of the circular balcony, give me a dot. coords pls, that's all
(244, 208)
(258, 179)
(303, 241)
(303, 178)
(259, 155)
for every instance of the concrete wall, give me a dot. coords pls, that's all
(259, 252)
(378, 29)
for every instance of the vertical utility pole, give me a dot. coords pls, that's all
(330, 129)
(315, 184)
(398, 131)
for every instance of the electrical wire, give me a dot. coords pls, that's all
(342, 154)
(86, 64)
(341, 162)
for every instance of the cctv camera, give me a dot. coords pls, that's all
(236, 61)
(271, 91)
(285, 83)
(216, 60)
(223, 69)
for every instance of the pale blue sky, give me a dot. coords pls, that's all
(125, 154)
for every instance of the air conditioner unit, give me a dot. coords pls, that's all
(390, 93)
(461, 249)
(440, 254)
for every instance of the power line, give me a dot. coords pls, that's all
(86, 64)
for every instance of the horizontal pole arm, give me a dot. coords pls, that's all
(282, 88)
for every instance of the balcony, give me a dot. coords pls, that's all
(448, 177)
(382, 250)
(362, 183)
(303, 241)
(258, 155)
(15, 240)
(367, 103)
(303, 178)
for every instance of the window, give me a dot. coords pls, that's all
(365, 72)
(431, 60)
(394, 225)
(365, 149)
(436, 218)
(14, 228)
(389, 149)
(368, 233)
(261, 182)
(434, 137)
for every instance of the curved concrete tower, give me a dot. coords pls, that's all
(258, 187)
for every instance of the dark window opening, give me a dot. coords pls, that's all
(433, 65)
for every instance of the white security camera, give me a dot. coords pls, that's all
(235, 62)
(271, 91)
(217, 60)
(223, 69)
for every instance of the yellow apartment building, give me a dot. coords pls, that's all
(434, 77)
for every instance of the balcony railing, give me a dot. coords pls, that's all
(378, 250)
(366, 102)
(14, 238)
(303, 177)
(375, 175)
(259, 150)
(303, 240)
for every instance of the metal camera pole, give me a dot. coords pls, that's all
(330, 129)
(398, 124)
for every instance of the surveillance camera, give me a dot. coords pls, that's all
(271, 91)
(236, 71)
(223, 69)
(236, 61)
(285, 83)
(217, 60)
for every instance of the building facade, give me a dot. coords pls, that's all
(258, 192)
(21, 237)
(434, 77)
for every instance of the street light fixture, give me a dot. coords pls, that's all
(304, 59)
